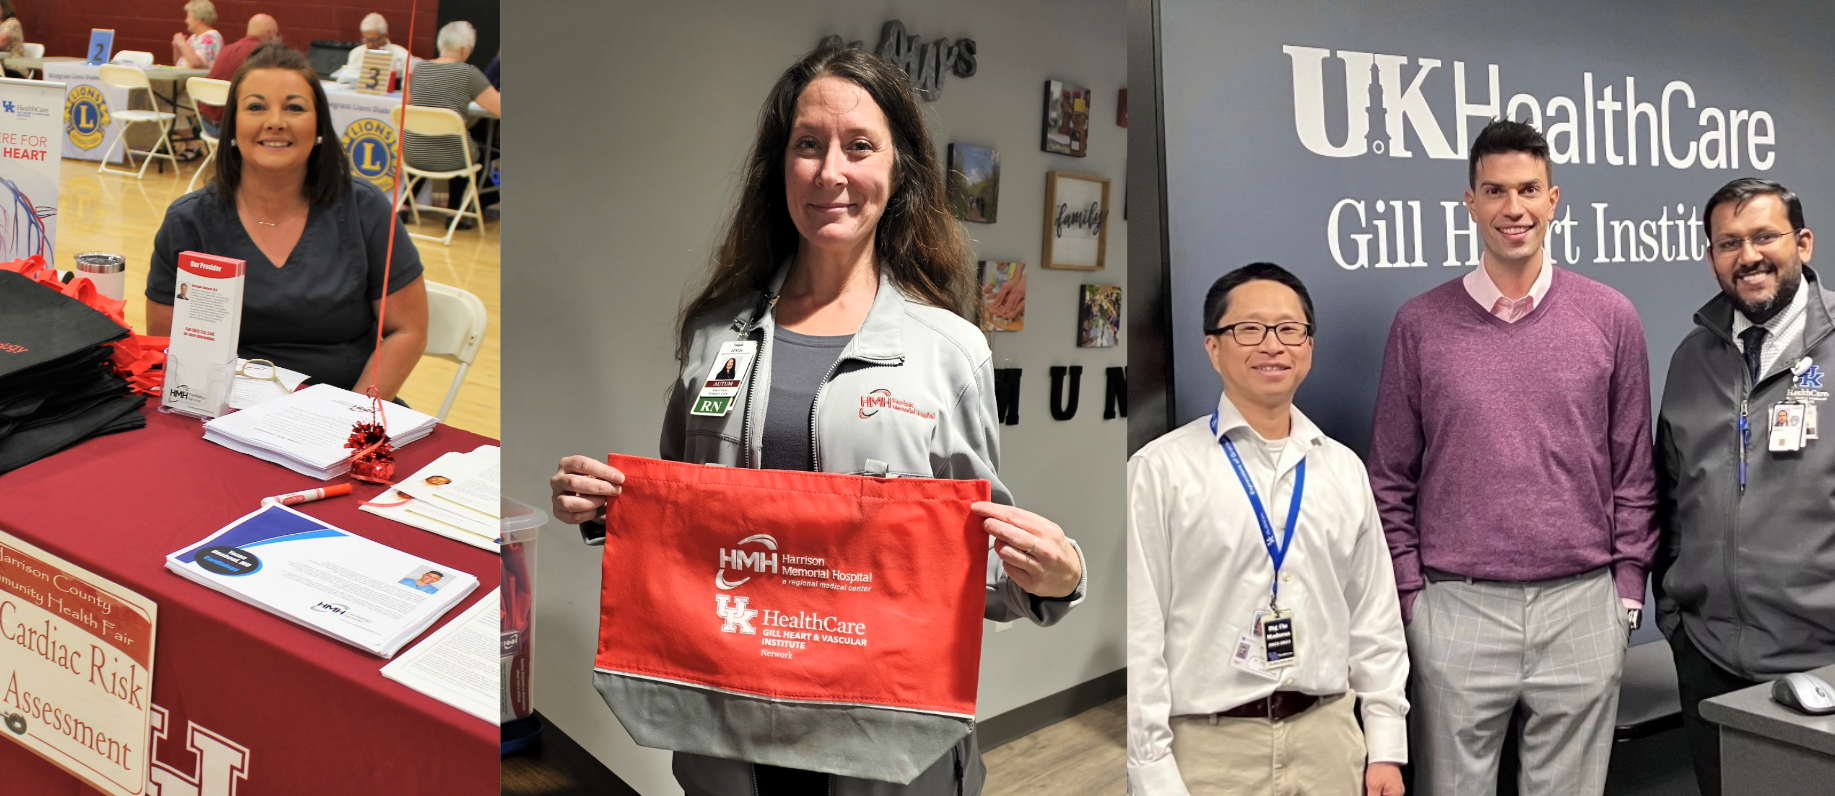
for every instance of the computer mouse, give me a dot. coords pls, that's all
(1804, 693)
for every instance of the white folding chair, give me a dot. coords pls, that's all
(132, 79)
(30, 50)
(133, 58)
(431, 122)
(214, 93)
(455, 331)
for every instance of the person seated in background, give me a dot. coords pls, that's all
(12, 36)
(314, 238)
(451, 83)
(261, 30)
(199, 49)
(374, 31)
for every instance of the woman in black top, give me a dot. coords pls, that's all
(315, 239)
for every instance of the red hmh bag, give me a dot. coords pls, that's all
(811, 620)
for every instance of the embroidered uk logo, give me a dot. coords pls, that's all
(1811, 378)
(736, 618)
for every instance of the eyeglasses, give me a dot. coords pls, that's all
(1251, 333)
(1727, 247)
(374, 40)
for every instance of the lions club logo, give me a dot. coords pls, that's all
(86, 116)
(371, 146)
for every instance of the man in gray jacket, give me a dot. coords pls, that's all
(1745, 569)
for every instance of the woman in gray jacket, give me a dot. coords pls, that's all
(844, 267)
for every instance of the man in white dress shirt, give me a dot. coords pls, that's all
(1250, 634)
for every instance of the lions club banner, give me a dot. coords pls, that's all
(809, 591)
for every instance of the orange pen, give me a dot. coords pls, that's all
(307, 496)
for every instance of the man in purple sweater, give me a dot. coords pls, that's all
(1511, 463)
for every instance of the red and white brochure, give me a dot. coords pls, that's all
(206, 325)
(796, 587)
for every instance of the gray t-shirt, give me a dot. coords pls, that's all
(453, 86)
(313, 315)
(799, 362)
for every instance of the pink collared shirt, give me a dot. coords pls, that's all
(1482, 289)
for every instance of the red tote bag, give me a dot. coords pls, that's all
(786, 608)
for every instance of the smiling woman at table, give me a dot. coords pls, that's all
(315, 239)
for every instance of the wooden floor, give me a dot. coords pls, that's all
(108, 212)
(1083, 755)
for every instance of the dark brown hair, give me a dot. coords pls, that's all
(918, 243)
(1501, 137)
(327, 172)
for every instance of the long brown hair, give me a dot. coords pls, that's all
(920, 246)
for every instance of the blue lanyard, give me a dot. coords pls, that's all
(1276, 553)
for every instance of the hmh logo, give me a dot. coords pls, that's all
(875, 400)
(758, 561)
(332, 608)
(736, 618)
(219, 766)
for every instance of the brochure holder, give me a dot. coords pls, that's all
(205, 401)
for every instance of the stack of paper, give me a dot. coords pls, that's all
(456, 497)
(305, 432)
(458, 664)
(365, 594)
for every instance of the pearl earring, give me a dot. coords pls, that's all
(319, 140)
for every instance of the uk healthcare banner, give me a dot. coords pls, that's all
(31, 146)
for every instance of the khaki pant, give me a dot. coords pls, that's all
(1317, 753)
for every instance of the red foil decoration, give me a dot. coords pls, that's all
(375, 458)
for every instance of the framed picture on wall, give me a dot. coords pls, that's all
(1067, 119)
(1099, 317)
(1003, 296)
(1076, 220)
(974, 183)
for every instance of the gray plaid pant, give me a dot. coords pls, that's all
(1480, 650)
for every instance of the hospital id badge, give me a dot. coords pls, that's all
(724, 379)
(1786, 427)
(1277, 634)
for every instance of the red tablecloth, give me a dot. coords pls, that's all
(304, 713)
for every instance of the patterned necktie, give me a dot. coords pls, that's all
(1754, 338)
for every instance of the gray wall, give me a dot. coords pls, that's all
(629, 162)
(1241, 186)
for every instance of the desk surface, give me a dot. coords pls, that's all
(312, 711)
(1752, 710)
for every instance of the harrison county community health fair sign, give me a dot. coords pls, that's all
(1331, 138)
(76, 669)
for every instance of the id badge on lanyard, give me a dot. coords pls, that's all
(1274, 627)
(724, 380)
